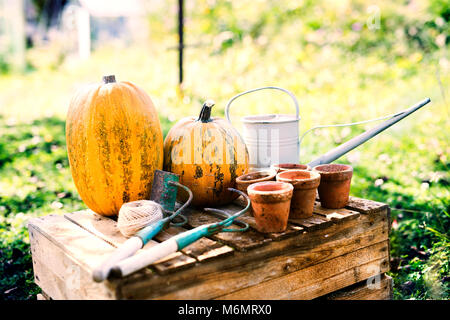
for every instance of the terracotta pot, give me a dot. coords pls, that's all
(289, 166)
(242, 182)
(270, 203)
(305, 188)
(334, 188)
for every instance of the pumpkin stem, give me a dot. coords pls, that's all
(205, 113)
(109, 79)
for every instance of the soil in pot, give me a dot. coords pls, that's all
(271, 202)
(305, 185)
(334, 188)
(281, 167)
(242, 182)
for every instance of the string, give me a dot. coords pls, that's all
(135, 215)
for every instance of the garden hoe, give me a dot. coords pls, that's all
(164, 192)
(178, 242)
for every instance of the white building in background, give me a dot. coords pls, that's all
(12, 34)
(102, 21)
(81, 26)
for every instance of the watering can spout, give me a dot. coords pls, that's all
(339, 151)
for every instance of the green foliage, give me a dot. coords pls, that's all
(384, 27)
(424, 277)
(35, 181)
(441, 8)
(4, 65)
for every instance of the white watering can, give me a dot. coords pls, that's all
(274, 138)
(270, 138)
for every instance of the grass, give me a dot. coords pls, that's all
(339, 70)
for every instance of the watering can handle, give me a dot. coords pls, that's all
(227, 108)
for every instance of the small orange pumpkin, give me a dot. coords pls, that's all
(114, 144)
(208, 154)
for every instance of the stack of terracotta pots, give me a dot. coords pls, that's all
(288, 191)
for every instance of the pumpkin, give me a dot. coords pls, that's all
(208, 154)
(114, 144)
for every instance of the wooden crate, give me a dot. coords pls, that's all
(314, 257)
(379, 288)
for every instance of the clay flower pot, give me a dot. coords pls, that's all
(334, 188)
(271, 201)
(305, 185)
(242, 182)
(280, 167)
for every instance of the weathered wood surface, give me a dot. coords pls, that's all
(242, 269)
(242, 241)
(365, 206)
(227, 265)
(226, 275)
(380, 290)
(322, 278)
(63, 257)
(364, 290)
(40, 296)
(201, 250)
(107, 228)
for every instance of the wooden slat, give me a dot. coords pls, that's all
(203, 250)
(323, 218)
(291, 229)
(175, 264)
(71, 283)
(276, 259)
(64, 256)
(45, 295)
(379, 288)
(336, 215)
(40, 296)
(365, 206)
(102, 227)
(322, 278)
(242, 241)
(71, 238)
(312, 223)
(106, 229)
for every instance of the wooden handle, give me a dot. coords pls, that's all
(143, 259)
(128, 248)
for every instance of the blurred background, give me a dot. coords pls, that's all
(345, 61)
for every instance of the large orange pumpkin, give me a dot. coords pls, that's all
(114, 143)
(208, 154)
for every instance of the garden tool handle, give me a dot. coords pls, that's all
(147, 233)
(145, 258)
(227, 108)
(178, 242)
(127, 249)
(159, 251)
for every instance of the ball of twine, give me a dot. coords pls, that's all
(135, 215)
